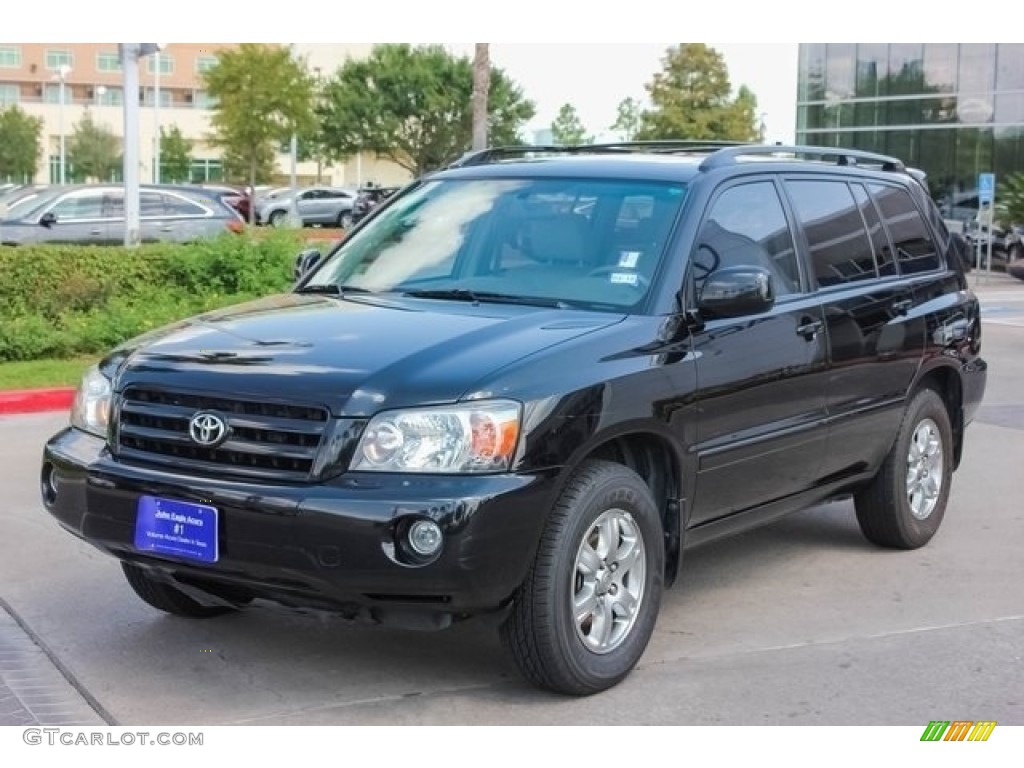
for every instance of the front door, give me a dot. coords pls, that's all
(761, 379)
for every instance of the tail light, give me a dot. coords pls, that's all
(235, 226)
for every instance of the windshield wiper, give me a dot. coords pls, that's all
(332, 289)
(479, 297)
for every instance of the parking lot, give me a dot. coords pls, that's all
(798, 623)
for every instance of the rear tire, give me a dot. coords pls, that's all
(166, 598)
(904, 505)
(345, 220)
(584, 615)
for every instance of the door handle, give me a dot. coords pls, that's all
(809, 328)
(95, 231)
(902, 306)
(167, 228)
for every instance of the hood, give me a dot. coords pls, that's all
(355, 355)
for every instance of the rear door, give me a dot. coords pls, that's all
(761, 378)
(875, 338)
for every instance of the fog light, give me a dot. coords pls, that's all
(425, 537)
(49, 484)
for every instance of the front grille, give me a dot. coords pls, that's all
(264, 439)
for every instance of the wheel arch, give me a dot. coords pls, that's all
(658, 460)
(945, 380)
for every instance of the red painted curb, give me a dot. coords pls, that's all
(36, 400)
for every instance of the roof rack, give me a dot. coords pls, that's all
(719, 153)
(731, 155)
(666, 146)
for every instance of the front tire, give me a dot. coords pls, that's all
(904, 505)
(166, 598)
(584, 615)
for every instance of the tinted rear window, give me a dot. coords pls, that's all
(914, 247)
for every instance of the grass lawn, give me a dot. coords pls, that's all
(43, 373)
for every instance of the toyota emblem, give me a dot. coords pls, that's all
(207, 429)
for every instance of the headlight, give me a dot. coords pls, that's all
(91, 410)
(475, 437)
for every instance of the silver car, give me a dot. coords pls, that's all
(330, 206)
(94, 215)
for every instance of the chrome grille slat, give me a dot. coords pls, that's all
(265, 439)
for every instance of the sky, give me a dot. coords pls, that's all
(595, 77)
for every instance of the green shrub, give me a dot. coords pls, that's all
(60, 300)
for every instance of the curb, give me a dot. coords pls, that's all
(36, 400)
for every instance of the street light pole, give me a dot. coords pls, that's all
(156, 118)
(62, 73)
(293, 210)
(130, 55)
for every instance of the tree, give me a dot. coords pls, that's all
(413, 106)
(263, 96)
(628, 118)
(567, 129)
(481, 87)
(692, 99)
(19, 144)
(93, 151)
(1010, 200)
(175, 155)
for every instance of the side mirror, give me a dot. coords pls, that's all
(48, 219)
(305, 262)
(737, 291)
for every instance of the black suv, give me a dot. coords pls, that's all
(527, 383)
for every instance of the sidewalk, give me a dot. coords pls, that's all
(33, 691)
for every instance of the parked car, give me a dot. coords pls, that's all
(528, 387)
(329, 206)
(368, 199)
(237, 198)
(94, 215)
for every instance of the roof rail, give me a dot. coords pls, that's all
(495, 154)
(731, 155)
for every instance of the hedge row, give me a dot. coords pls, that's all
(63, 300)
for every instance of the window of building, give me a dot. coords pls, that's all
(203, 100)
(940, 66)
(109, 97)
(166, 97)
(839, 246)
(10, 57)
(108, 62)
(57, 59)
(204, 170)
(915, 251)
(9, 94)
(51, 93)
(166, 64)
(747, 227)
(205, 63)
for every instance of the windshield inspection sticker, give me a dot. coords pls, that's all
(622, 278)
(628, 259)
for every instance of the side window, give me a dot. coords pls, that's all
(151, 204)
(179, 206)
(839, 246)
(879, 242)
(113, 205)
(747, 227)
(915, 251)
(81, 206)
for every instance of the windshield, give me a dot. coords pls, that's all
(589, 242)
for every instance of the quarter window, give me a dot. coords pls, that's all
(839, 247)
(879, 242)
(915, 250)
(747, 227)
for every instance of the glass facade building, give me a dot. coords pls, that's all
(952, 109)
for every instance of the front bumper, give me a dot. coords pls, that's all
(328, 546)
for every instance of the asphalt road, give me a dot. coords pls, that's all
(798, 623)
